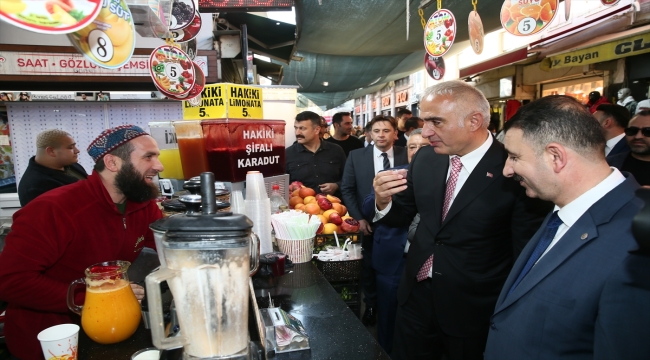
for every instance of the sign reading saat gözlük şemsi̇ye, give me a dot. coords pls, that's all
(220, 101)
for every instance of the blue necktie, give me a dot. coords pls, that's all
(386, 161)
(545, 240)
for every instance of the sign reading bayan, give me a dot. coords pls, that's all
(633, 45)
(219, 101)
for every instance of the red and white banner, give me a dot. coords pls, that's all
(34, 63)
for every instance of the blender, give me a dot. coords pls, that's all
(209, 259)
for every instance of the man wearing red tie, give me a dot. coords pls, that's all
(474, 222)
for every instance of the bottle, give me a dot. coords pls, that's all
(278, 204)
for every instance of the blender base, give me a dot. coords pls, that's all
(250, 353)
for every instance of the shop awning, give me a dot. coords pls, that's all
(604, 48)
(267, 37)
(496, 62)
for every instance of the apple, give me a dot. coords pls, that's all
(335, 218)
(324, 203)
(296, 185)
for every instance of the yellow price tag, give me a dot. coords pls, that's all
(244, 102)
(213, 104)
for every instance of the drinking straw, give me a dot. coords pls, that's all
(337, 240)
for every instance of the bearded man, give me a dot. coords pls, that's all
(62, 232)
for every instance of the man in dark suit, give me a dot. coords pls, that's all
(54, 165)
(574, 292)
(360, 168)
(473, 224)
(613, 119)
(389, 255)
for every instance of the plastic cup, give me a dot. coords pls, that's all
(355, 251)
(237, 204)
(60, 340)
(255, 188)
(278, 267)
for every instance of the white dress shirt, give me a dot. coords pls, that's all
(609, 145)
(379, 160)
(574, 210)
(366, 143)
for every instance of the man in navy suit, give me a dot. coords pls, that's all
(389, 256)
(613, 119)
(578, 290)
(473, 224)
(360, 168)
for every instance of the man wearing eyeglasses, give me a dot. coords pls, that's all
(637, 160)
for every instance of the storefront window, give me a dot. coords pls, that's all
(578, 89)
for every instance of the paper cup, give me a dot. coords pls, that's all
(60, 341)
(146, 354)
(299, 251)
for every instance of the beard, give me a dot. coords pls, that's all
(133, 184)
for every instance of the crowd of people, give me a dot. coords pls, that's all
(477, 249)
(472, 248)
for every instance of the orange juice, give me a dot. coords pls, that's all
(171, 160)
(111, 313)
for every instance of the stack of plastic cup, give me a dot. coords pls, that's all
(237, 205)
(258, 209)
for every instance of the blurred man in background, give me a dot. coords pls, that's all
(55, 164)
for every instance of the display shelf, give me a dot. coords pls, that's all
(84, 121)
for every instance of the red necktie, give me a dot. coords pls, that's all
(456, 166)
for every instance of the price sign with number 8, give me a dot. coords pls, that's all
(100, 45)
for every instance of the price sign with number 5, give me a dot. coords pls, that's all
(529, 18)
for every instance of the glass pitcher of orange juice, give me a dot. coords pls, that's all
(110, 313)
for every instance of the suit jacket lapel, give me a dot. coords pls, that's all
(570, 242)
(478, 180)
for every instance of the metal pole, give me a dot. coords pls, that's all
(244, 51)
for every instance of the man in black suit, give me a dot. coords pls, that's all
(402, 115)
(613, 119)
(473, 224)
(360, 168)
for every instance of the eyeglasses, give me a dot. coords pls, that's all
(633, 130)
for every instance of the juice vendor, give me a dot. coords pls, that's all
(62, 232)
(316, 163)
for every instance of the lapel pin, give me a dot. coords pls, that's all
(584, 236)
(489, 175)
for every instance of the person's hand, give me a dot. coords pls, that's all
(328, 188)
(365, 227)
(387, 184)
(138, 291)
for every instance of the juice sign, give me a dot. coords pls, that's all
(221, 101)
(213, 104)
(244, 102)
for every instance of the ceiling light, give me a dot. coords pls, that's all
(277, 23)
(325, 83)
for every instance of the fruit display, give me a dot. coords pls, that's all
(172, 71)
(435, 66)
(50, 16)
(108, 41)
(439, 32)
(528, 18)
(328, 208)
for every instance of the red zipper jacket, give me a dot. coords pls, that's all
(52, 241)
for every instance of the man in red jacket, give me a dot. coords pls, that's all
(62, 232)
